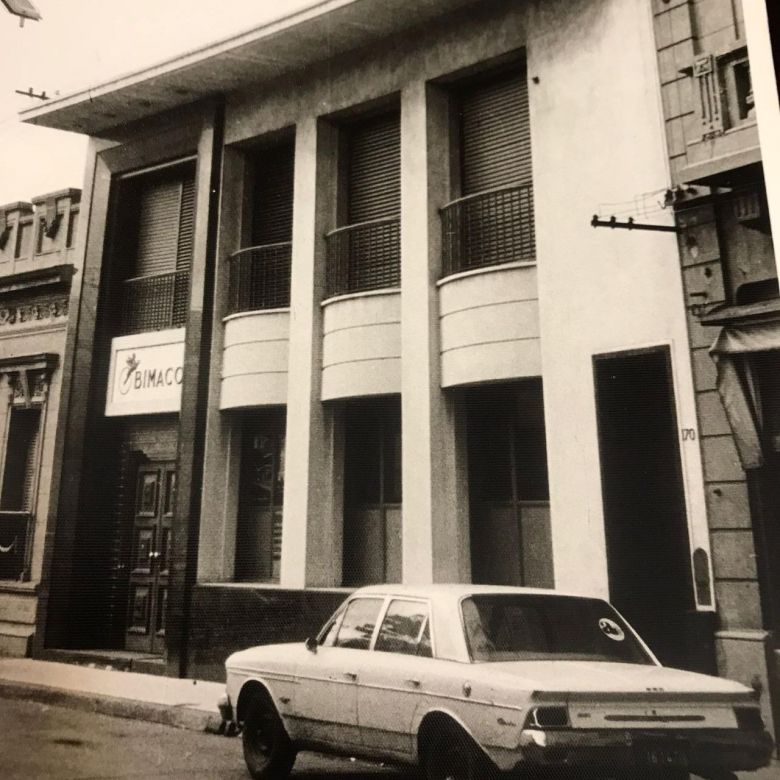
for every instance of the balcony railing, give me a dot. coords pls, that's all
(259, 278)
(488, 228)
(15, 531)
(366, 256)
(154, 302)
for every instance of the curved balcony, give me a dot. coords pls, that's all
(488, 228)
(259, 278)
(154, 302)
(365, 256)
(489, 320)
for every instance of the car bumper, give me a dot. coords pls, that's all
(704, 749)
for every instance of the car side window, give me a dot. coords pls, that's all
(405, 629)
(357, 625)
(328, 633)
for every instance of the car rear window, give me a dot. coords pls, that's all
(507, 627)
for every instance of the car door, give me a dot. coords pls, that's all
(326, 694)
(394, 676)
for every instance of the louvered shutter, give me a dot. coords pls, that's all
(186, 225)
(495, 134)
(273, 196)
(374, 169)
(158, 228)
(21, 459)
(31, 459)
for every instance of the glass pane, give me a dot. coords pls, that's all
(525, 628)
(165, 549)
(139, 609)
(162, 603)
(402, 627)
(425, 649)
(144, 543)
(170, 492)
(147, 494)
(358, 624)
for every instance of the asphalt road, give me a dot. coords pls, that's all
(40, 741)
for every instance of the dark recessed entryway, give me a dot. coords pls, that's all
(645, 520)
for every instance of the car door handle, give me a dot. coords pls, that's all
(414, 683)
(350, 676)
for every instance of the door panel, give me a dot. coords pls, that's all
(150, 557)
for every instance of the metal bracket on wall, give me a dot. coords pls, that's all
(629, 224)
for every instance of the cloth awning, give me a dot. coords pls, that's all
(736, 386)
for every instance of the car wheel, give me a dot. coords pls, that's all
(268, 751)
(452, 755)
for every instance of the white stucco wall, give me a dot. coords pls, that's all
(597, 137)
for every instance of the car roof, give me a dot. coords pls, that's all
(457, 590)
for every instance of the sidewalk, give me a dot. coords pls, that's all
(189, 704)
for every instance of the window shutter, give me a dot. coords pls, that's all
(273, 196)
(158, 228)
(21, 459)
(374, 169)
(495, 134)
(186, 226)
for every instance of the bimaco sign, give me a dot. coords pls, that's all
(145, 373)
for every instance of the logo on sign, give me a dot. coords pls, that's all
(611, 629)
(134, 377)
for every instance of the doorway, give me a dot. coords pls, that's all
(155, 500)
(648, 551)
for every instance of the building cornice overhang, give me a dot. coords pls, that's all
(284, 46)
(39, 278)
(748, 314)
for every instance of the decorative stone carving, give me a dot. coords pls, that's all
(27, 312)
(28, 378)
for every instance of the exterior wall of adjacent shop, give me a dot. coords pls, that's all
(586, 294)
(37, 257)
(729, 274)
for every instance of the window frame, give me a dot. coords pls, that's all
(427, 622)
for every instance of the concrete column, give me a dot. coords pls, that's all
(217, 547)
(435, 516)
(311, 529)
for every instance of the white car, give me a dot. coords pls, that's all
(467, 680)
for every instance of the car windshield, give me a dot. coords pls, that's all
(528, 627)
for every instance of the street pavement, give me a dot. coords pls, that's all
(44, 741)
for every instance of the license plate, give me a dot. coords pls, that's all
(662, 755)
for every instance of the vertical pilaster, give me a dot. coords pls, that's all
(435, 518)
(311, 530)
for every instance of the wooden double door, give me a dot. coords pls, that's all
(155, 500)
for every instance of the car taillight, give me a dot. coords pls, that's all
(548, 718)
(749, 718)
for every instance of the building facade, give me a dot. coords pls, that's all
(37, 247)
(344, 319)
(729, 274)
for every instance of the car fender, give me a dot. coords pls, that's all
(270, 687)
(424, 711)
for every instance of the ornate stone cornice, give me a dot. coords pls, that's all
(19, 314)
(28, 377)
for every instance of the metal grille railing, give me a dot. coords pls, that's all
(154, 302)
(259, 278)
(15, 530)
(488, 228)
(366, 256)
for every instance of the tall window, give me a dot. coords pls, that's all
(261, 497)
(154, 237)
(20, 460)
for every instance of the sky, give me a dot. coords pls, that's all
(81, 43)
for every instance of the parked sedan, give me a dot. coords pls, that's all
(468, 680)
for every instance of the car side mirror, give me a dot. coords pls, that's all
(312, 644)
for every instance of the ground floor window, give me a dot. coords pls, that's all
(18, 490)
(508, 486)
(372, 491)
(261, 496)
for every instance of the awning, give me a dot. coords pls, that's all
(736, 385)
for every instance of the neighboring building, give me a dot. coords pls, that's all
(344, 320)
(37, 246)
(731, 289)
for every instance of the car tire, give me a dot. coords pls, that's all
(452, 755)
(268, 752)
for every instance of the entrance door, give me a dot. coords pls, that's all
(149, 565)
(648, 552)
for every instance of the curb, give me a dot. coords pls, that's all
(182, 717)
